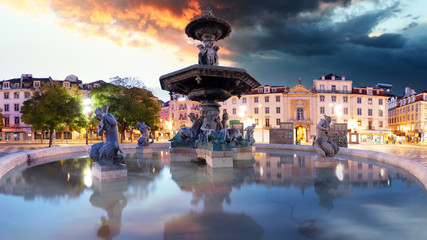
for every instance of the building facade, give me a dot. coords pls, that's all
(408, 117)
(14, 92)
(364, 109)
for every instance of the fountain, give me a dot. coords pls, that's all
(209, 84)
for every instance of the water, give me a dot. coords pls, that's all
(281, 196)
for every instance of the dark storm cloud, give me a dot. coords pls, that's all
(387, 40)
(312, 35)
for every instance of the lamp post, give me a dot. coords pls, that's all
(88, 110)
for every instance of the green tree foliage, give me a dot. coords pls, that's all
(128, 105)
(51, 107)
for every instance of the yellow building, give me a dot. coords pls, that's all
(408, 117)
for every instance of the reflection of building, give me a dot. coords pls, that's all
(408, 116)
(362, 108)
(299, 170)
(14, 92)
(165, 125)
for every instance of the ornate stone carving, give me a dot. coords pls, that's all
(108, 152)
(321, 145)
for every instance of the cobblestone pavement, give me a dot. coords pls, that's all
(412, 151)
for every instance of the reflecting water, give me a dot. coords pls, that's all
(278, 196)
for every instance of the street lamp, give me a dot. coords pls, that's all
(87, 103)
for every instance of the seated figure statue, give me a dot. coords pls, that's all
(188, 134)
(249, 134)
(145, 138)
(321, 144)
(107, 152)
(212, 128)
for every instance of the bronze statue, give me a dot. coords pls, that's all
(321, 144)
(109, 151)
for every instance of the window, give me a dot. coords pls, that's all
(332, 110)
(369, 91)
(322, 110)
(6, 85)
(267, 122)
(369, 100)
(256, 121)
(300, 113)
(345, 111)
(359, 123)
(334, 88)
(6, 107)
(267, 90)
(360, 90)
(359, 111)
(267, 99)
(370, 112)
(277, 109)
(277, 98)
(16, 120)
(322, 98)
(322, 88)
(244, 100)
(259, 90)
(267, 110)
(16, 95)
(256, 110)
(380, 124)
(16, 107)
(6, 121)
(345, 99)
(6, 95)
(380, 113)
(345, 89)
(334, 98)
(255, 99)
(27, 94)
(359, 100)
(234, 101)
(274, 90)
(278, 121)
(234, 111)
(36, 84)
(380, 101)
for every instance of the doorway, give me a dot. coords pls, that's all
(301, 134)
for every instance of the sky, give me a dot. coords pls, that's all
(368, 41)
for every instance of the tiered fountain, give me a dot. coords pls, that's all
(208, 84)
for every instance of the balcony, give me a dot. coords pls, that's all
(333, 91)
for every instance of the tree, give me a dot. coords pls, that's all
(128, 105)
(51, 107)
(128, 82)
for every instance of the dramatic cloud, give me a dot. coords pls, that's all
(314, 36)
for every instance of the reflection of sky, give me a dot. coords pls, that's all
(391, 212)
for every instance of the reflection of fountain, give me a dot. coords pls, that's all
(109, 196)
(213, 187)
(325, 184)
(208, 84)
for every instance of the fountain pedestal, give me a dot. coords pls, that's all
(109, 173)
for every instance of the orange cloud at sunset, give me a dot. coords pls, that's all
(140, 24)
